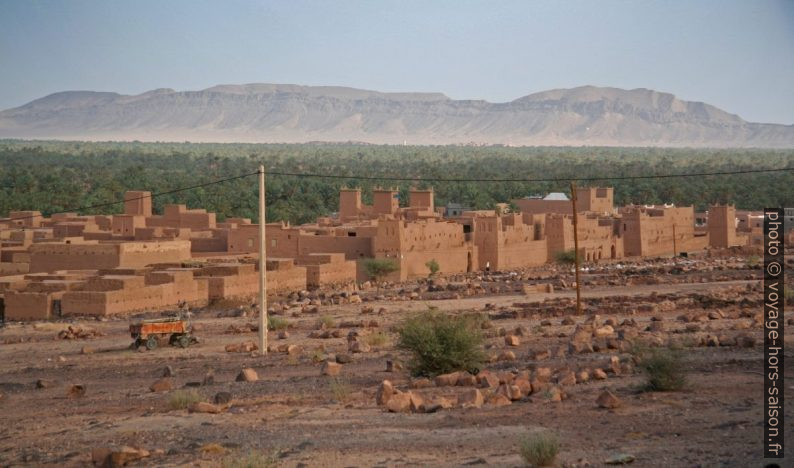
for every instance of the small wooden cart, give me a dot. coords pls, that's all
(149, 333)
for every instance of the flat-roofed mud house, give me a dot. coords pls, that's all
(82, 264)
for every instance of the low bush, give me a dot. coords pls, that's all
(377, 339)
(326, 321)
(252, 459)
(181, 399)
(567, 257)
(663, 367)
(340, 389)
(539, 449)
(441, 343)
(277, 323)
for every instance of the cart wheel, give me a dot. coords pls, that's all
(151, 343)
(184, 341)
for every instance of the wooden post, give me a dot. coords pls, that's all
(576, 248)
(262, 265)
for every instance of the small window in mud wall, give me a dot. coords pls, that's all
(351, 234)
(273, 242)
(250, 243)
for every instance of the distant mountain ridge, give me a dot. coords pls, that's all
(585, 115)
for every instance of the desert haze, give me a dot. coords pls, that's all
(290, 113)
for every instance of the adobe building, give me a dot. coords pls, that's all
(412, 244)
(78, 254)
(506, 241)
(588, 199)
(133, 291)
(599, 237)
(722, 227)
(655, 230)
(72, 264)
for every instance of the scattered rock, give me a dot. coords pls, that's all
(384, 392)
(125, 455)
(168, 371)
(619, 459)
(498, 399)
(543, 374)
(331, 369)
(417, 402)
(399, 402)
(44, 383)
(343, 358)
(209, 378)
(358, 347)
(512, 340)
(506, 356)
(247, 375)
(745, 340)
(465, 379)
(608, 400)
(447, 380)
(222, 398)
(566, 378)
(78, 333)
(392, 366)
(421, 383)
(487, 379)
(76, 391)
(553, 394)
(471, 398)
(204, 407)
(163, 385)
(599, 374)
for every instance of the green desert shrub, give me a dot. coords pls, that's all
(379, 268)
(539, 449)
(277, 323)
(441, 343)
(663, 367)
(181, 399)
(377, 339)
(325, 322)
(566, 257)
(340, 389)
(251, 459)
(433, 266)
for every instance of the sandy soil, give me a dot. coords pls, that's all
(294, 416)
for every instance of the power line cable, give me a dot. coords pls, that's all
(152, 195)
(555, 179)
(407, 179)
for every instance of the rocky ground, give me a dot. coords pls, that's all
(72, 393)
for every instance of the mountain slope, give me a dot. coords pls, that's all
(290, 113)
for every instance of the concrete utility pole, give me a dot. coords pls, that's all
(576, 248)
(262, 265)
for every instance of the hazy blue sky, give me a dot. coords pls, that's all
(735, 54)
